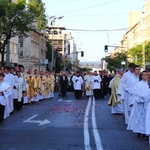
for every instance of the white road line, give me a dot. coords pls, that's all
(94, 126)
(86, 129)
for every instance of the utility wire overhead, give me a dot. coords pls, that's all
(89, 7)
(61, 1)
(98, 15)
(105, 30)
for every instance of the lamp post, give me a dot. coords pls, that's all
(107, 38)
(52, 23)
(143, 41)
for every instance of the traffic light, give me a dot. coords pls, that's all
(82, 54)
(106, 48)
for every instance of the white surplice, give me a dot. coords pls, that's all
(77, 82)
(4, 100)
(137, 120)
(126, 86)
(9, 78)
(147, 130)
(96, 85)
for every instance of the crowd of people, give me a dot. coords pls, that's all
(130, 96)
(129, 91)
(19, 87)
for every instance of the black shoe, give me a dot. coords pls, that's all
(139, 135)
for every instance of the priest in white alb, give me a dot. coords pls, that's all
(114, 101)
(137, 120)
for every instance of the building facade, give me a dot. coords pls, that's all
(64, 44)
(32, 51)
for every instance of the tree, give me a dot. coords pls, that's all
(37, 6)
(115, 62)
(136, 53)
(147, 52)
(16, 19)
(59, 63)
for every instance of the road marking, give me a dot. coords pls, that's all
(86, 129)
(40, 122)
(64, 100)
(94, 126)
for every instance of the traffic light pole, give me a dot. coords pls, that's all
(106, 47)
(77, 52)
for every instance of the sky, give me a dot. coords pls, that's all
(99, 17)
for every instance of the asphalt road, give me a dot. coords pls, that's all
(68, 124)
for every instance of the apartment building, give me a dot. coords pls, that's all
(64, 44)
(32, 51)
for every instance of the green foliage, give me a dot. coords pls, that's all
(49, 52)
(115, 62)
(59, 63)
(147, 52)
(37, 7)
(16, 19)
(136, 54)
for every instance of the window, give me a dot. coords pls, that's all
(21, 44)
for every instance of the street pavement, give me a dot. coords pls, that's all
(68, 124)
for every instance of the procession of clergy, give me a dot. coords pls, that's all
(130, 95)
(18, 88)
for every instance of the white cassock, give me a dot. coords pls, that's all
(133, 81)
(88, 85)
(5, 88)
(9, 78)
(148, 118)
(147, 126)
(77, 85)
(16, 83)
(21, 88)
(126, 86)
(137, 120)
(25, 97)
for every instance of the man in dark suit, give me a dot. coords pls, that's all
(63, 84)
(104, 84)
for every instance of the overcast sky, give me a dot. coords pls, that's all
(94, 15)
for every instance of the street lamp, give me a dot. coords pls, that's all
(52, 23)
(143, 41)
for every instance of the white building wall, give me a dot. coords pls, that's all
(14, 50)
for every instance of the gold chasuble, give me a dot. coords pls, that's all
(39, 83)
(52, 82)
(32, 86)
(47, 87)
(114, 98)
(42, 89)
